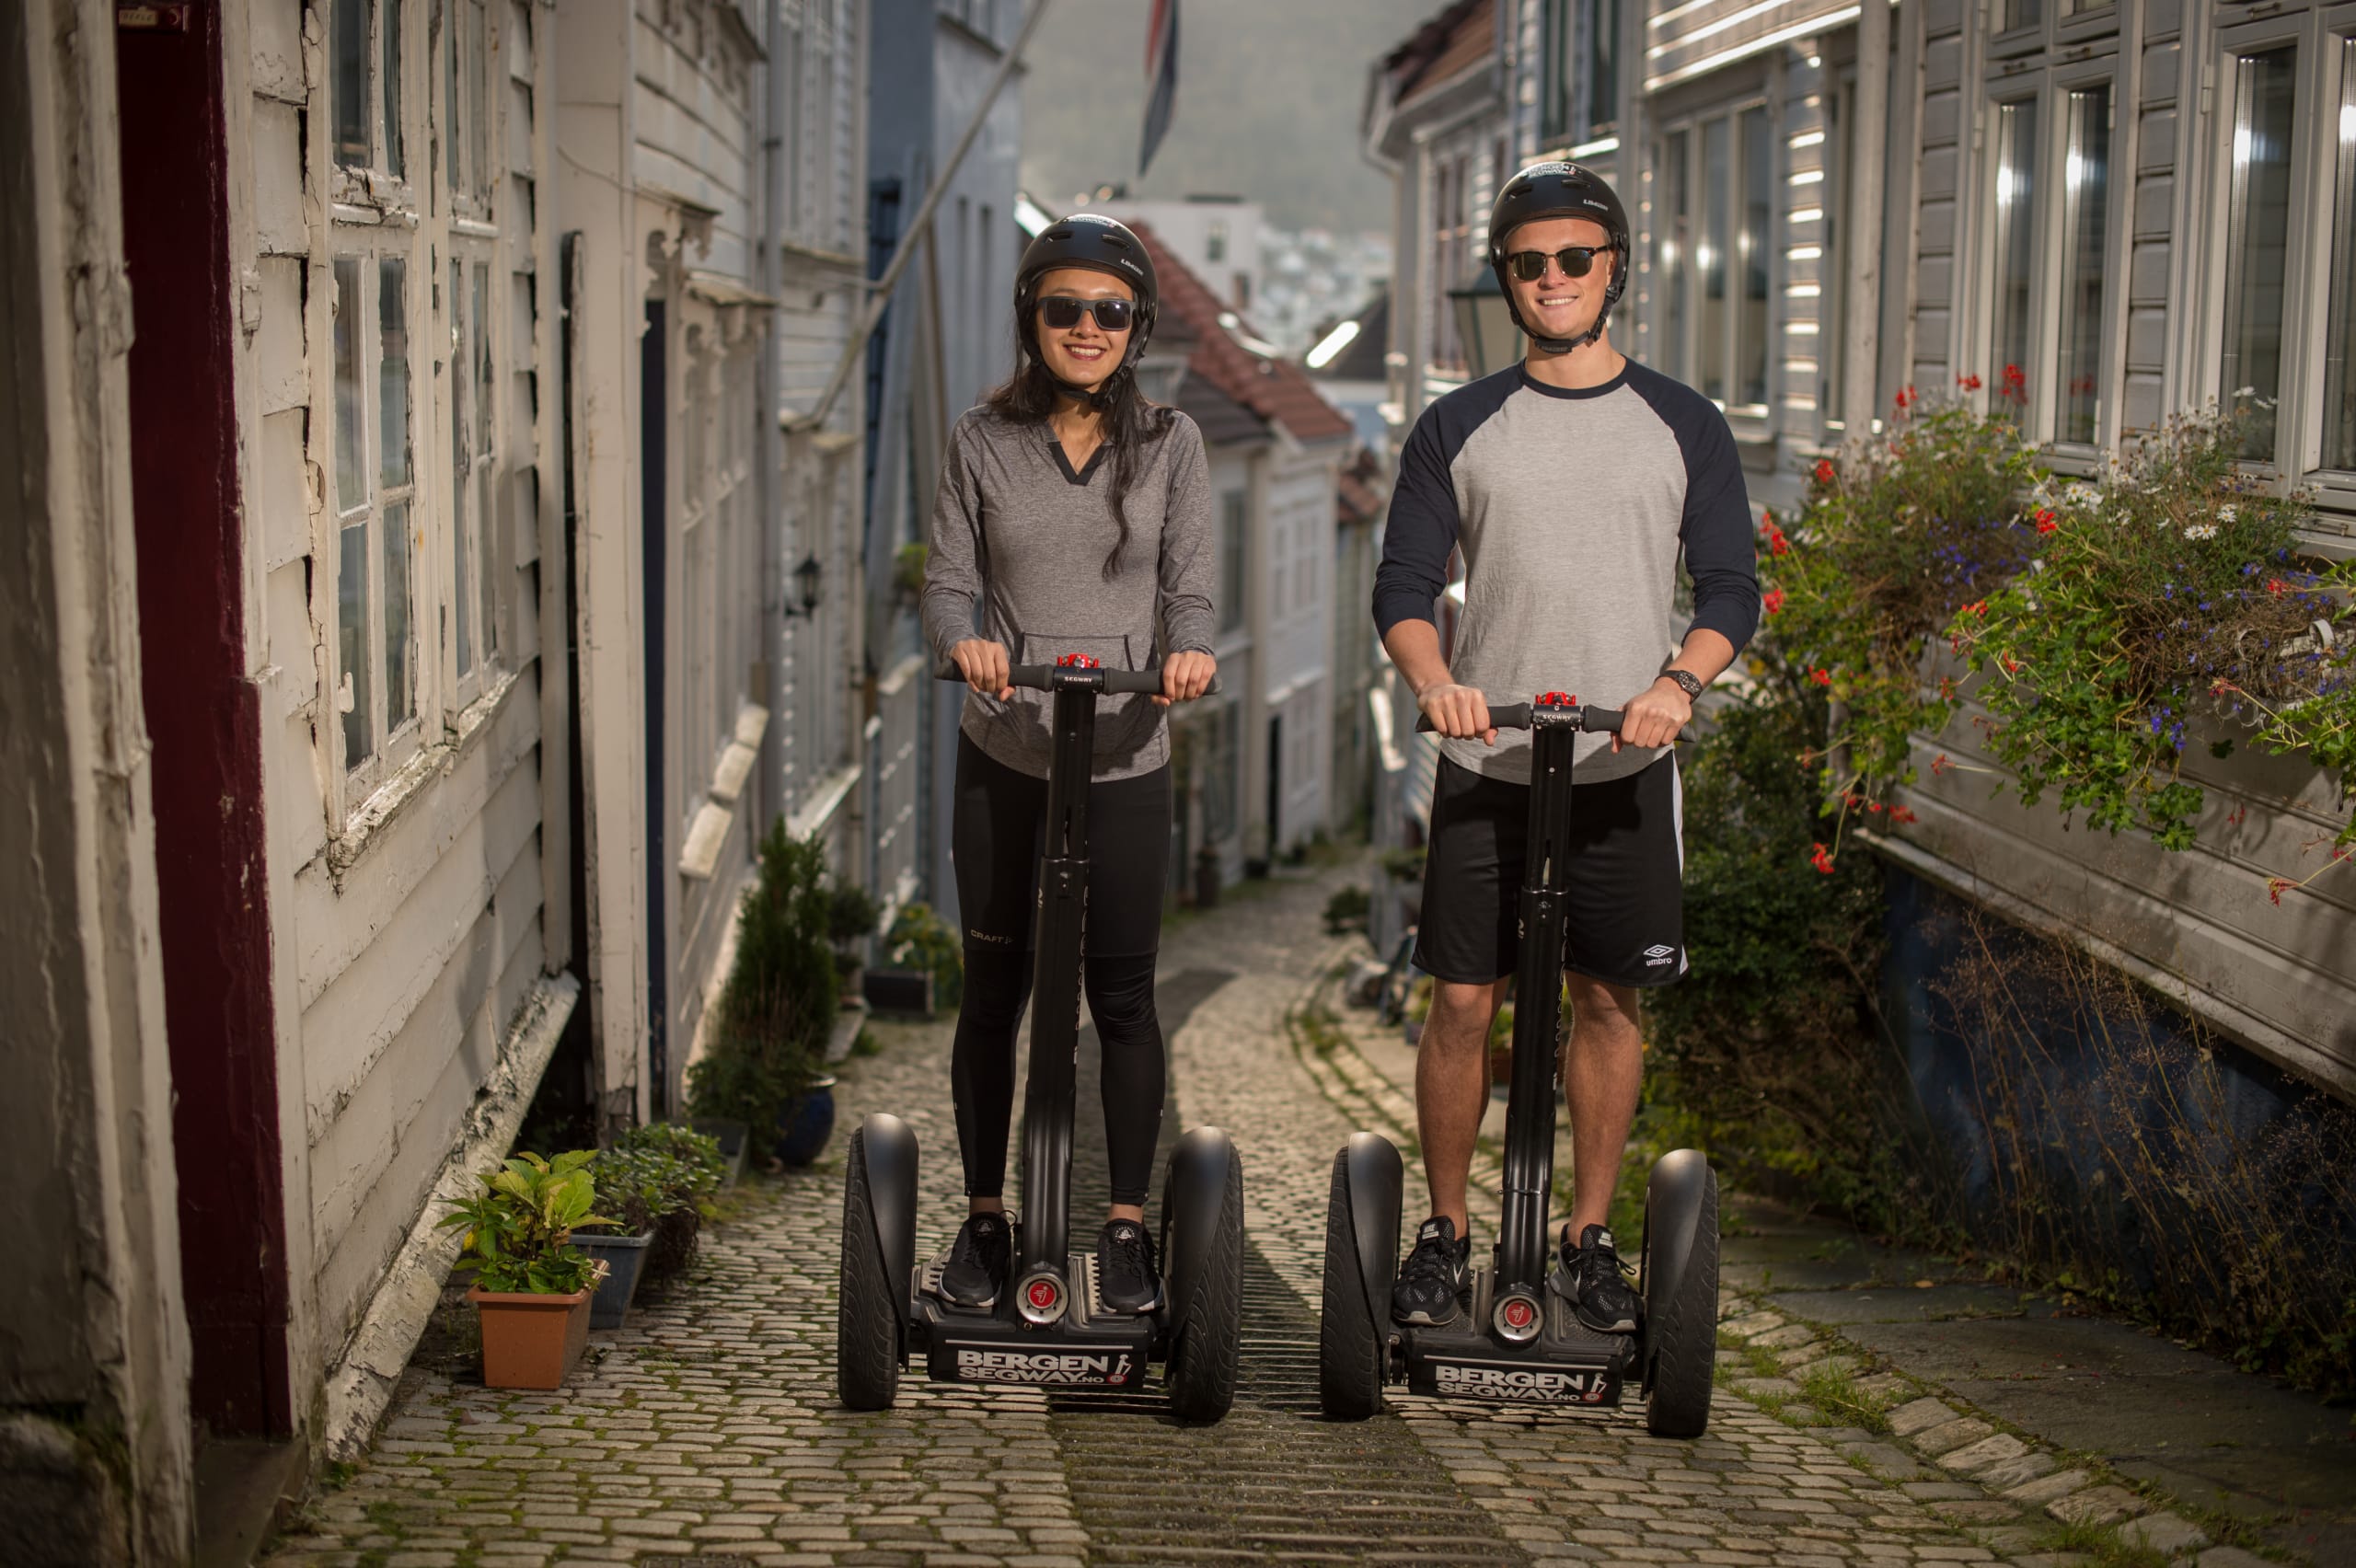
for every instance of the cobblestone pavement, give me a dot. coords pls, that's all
(706, 1432)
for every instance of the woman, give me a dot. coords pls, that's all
(1079, 515)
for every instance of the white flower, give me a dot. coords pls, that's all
(2202, 531)
(2224, 515)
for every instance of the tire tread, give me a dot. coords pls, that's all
(1349, 1344)
(1203, 1363)
(1681, 1351)
(867, 1318)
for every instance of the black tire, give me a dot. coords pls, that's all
(867, 1311)
(1202, 1362)
(1350, 1344)
(1681, 1333)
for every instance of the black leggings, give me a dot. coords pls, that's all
(1000, 813)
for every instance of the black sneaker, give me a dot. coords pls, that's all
(1126, 1277)
(978, 1261)
(1435, 1275)
(1591, 1277)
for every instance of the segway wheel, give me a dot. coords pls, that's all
(1203, 1361)
(1682, 1332)
(867, 1316)
(1350, 1342)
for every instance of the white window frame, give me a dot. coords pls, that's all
(1750, 420)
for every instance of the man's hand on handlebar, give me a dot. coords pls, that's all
(1185, 676)
(1654, 715)
(984, 665)
(1460, 711)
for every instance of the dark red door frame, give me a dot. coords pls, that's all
(204, 719)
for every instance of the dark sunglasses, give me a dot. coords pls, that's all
(1062, 312)
(1575, 259)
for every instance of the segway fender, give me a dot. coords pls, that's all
(1371, 1162)
(890, 1146)
(1193, 1192)
(1674, 1200)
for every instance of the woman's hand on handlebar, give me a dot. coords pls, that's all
(1458, 711)
(984, 665)
(1654, 715)
(1185, 676)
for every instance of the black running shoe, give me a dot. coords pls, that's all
(1126, 1277)
(1591, 1277)
(1435, 1275)
(978, 1261)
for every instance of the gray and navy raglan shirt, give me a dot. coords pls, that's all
(1018, 531)
(1572, 508)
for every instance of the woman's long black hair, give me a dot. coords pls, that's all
(1132, 420)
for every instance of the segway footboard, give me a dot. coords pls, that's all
(1085, 1350)
(1565, 1363)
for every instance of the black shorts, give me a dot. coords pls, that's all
(1625, 916)
(1000, 814)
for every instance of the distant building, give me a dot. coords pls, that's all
(1216, 236)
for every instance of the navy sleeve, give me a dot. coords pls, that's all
(1721, 555)
(1420, 533)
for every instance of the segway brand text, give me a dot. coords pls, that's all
(1043, 1367)
(1539, 1385)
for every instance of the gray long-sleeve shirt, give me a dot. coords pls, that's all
(1015, 529)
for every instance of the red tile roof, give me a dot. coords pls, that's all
(1276, 390)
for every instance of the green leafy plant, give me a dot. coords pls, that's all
(851, 913)
(2168, 596)
(922, 940)
(520, 1225)
(908, 570)
(770, 1023)
(1898, 534)
(1403, 865)
(1347, 910)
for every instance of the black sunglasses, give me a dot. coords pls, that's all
(1575, 259)
(1062, 312)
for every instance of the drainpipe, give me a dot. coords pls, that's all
(768, 393)
(1861, 399)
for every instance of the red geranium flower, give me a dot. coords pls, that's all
(1821, 678)
(1822, 860)
(2275, 886)
(1969, 382)
(1824, 470)
(1773, 600)
(2276, 585)
(2046, 522)
(1940, 764)
(1901, 815)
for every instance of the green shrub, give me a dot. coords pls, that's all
(922, 940)
(851, 913)
(519, 1227)
(769, 1031)
(1347, 910)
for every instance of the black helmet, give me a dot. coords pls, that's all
(1556, 189)
(1087, 240)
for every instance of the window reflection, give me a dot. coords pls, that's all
(2265, 102)
(2087, 220)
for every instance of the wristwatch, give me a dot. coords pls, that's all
(1687, 682)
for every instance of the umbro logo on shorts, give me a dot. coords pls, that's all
(1657, 953)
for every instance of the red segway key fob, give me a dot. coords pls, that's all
(1076, 661)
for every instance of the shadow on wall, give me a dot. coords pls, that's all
(2119, 1149)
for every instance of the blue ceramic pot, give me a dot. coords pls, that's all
(805, 1125)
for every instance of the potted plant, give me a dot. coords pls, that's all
(652, 1182)
(851, 914)
(532, 1287)
(779, 1002)
(920, 948)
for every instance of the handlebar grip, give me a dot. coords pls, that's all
(1502, 716)
(1606, 719)
(1041, 677)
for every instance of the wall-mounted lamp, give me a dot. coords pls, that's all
(807, 578)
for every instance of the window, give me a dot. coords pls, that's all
(2339, 343)
(375, 490)
(1231, 545)
(1219, 772)
(2015, 265)
(1717, 259)
(2085, 217)
(1832, 268)
(1603, 67)
(1555, 72)
(698, 609)
(1450, 235)
(2265, 94)
(1215, 244)
(2022, 14)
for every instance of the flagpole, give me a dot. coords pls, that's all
(880, 296)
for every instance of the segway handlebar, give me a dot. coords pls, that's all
(1043, 677)
(1515, 716)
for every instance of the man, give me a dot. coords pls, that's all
(1572, 482)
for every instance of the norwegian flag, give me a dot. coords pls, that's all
(1162, 77)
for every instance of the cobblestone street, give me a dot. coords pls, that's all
(707, 1433)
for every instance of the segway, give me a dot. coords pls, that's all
(1051, 1327)
(1521, 1344)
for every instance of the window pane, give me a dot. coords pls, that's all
(2339, 375)
(1603, 72)
(1710, 260)
(351, 107)
(487, 526)
(2265, 100)
(351, 480)
(391, 76)
(452, 169)
(1758, 210)
(2023, 14)
(476, 44)
(461, 617)
(2087, 218)
(1677, 242)
(2015, 263)
(1230, 560)
(1833, 266)
(398, 706)
(1554, 69)
(392, 372)
(351, 637)
(479, 322)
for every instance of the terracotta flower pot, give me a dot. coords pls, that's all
(530, 1341)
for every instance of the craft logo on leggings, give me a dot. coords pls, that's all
(1108, 1367)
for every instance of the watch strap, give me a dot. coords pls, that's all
(1687, 681)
